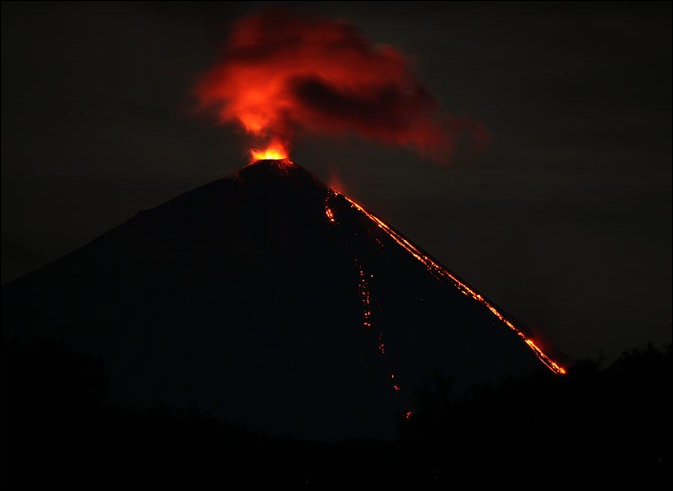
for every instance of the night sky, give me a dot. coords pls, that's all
(564, 220)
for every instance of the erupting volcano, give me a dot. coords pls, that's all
(267, 298)
(271, 300)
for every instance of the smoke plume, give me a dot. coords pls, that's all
(280, 74)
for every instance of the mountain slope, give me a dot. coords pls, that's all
(269, 300)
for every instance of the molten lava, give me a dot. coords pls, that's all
(442, 274)
(274, 151)
(364, 293)
(365, 297)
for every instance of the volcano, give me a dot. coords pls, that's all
(272, 301)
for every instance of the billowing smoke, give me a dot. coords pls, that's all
(281, 74)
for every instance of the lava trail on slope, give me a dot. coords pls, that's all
(444, 275)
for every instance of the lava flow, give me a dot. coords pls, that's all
(443, 274)
(364, 293)
(365, 297)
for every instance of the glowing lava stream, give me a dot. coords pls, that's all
(441, 273)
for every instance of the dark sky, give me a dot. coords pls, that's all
(565, 220)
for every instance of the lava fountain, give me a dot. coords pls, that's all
(274, 151)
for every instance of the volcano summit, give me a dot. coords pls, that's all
(269, 300)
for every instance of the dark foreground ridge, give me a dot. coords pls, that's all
(596, 428)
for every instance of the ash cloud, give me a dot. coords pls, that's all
(280, 74)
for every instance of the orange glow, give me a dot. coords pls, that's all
(365, 298)
(330, 214)
(443, 274)
(335, 182)
(275, 151)
(395, 385)
(279, 74)
(364, 294)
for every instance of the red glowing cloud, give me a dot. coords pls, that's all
(279, 74)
